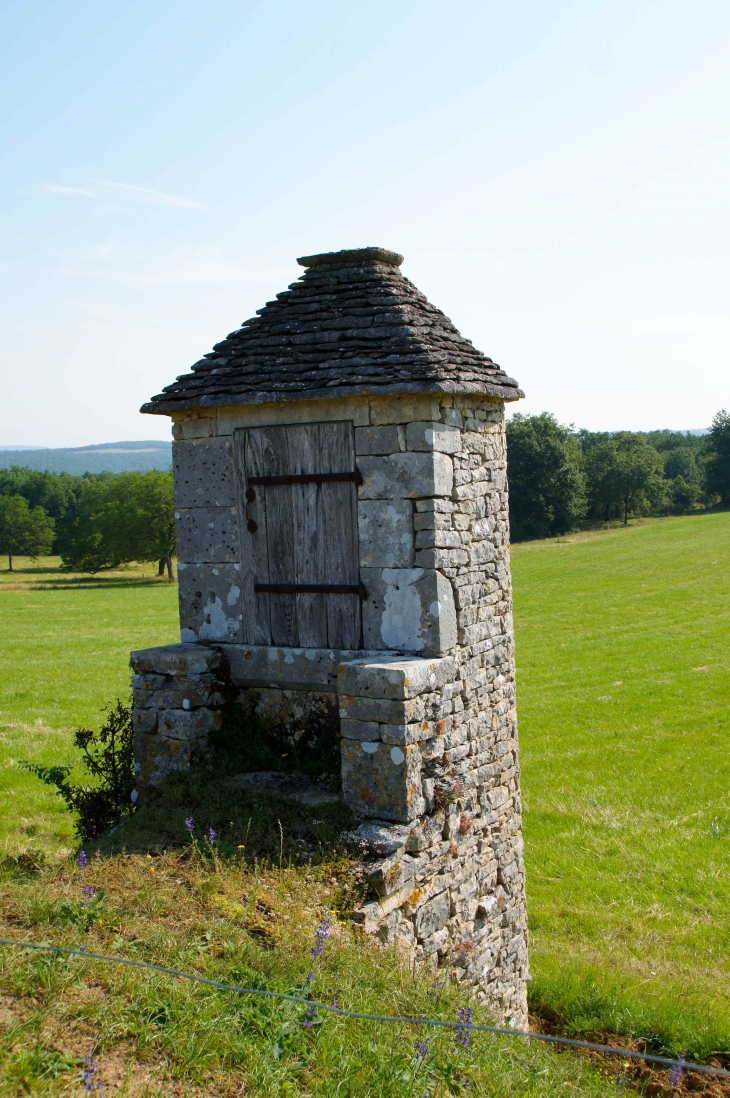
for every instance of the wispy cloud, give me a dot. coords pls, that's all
(146, 194)
(128, 190)
(184, 266)
(55, 188)
(205, 267)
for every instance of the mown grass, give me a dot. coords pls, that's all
(623, 651)
(64, 654)
(623, 641)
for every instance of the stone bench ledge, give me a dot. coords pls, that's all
(394, 677)
(175, 659)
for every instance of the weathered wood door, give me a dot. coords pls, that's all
(299, 530)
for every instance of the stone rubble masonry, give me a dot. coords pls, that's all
(178, 696)
(426, 708)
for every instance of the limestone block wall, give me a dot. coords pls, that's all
(432, 517)
(426, 706)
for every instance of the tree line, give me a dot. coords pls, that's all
(559, 476)
(92, 522)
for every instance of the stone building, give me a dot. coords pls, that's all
(343, 547)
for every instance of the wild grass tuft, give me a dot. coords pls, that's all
(286, 930)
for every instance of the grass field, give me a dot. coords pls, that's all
(623, 651)
(64, 654)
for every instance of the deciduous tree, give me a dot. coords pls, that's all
(139, 518)
(83, 536)
(624, 473)
(547, 491)
(717, 473)
(128, 517)
(24, 531)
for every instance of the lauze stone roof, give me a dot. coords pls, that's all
(351, 324)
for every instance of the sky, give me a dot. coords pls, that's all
(556, 175)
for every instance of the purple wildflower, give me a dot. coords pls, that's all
(82, 949)
(463, 1030)
(89, 1070)
(81, 859)
(189, 825)
(310, 1016)
(210, 835)
(321, 935)
(421, 1050)
(436, 988)
(88, 892)
(335, 993)
(677, 1072)
(310, 977)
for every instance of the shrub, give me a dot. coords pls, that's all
(683, 495)
(682, 462)
(108, 756)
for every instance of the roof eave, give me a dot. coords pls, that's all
(506, 393)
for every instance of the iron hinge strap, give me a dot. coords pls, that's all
(312, 589)
(307, 478)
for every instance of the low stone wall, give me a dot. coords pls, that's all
(178, 698)
(449, 873)
(434, 776)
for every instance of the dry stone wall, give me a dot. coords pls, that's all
(178, 697)
(427, 706)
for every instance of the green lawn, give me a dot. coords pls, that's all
(623, 654)
(64, 654)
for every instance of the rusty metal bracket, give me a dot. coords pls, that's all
(312, 589)
(306, 478)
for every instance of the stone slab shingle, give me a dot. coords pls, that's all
(351, 324)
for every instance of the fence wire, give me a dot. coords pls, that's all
(329, 1008)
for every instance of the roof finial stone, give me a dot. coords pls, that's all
(351, 257)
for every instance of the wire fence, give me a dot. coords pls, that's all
(329, 1008)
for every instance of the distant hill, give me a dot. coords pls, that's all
(107, 457)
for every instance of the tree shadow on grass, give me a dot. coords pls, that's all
(69, 583)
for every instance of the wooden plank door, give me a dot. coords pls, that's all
(309, 526)
(341, 550)
(298, 534)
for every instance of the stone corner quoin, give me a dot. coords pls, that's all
(394, 619)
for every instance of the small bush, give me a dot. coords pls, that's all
(108, 756)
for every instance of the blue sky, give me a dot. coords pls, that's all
(556, 175)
